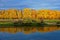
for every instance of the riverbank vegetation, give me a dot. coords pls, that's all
(29, 17)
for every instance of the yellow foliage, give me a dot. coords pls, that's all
(19, 13)
(30, 13)
(26, 13)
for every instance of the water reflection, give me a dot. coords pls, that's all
(28, 30)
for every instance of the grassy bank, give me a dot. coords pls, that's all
(31, 23)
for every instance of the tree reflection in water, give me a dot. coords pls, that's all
(29, 29)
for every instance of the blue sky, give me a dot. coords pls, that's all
(33, 4)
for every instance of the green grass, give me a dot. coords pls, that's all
(6, 24)
(27, 23)
(51, 21)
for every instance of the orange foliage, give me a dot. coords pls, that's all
(30, 13)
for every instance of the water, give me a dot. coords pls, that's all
(29, 29)
(30, 33)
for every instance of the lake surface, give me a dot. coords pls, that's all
(30, 33)
(29, 29)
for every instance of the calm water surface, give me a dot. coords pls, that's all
(30, 33)
(29, 29)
